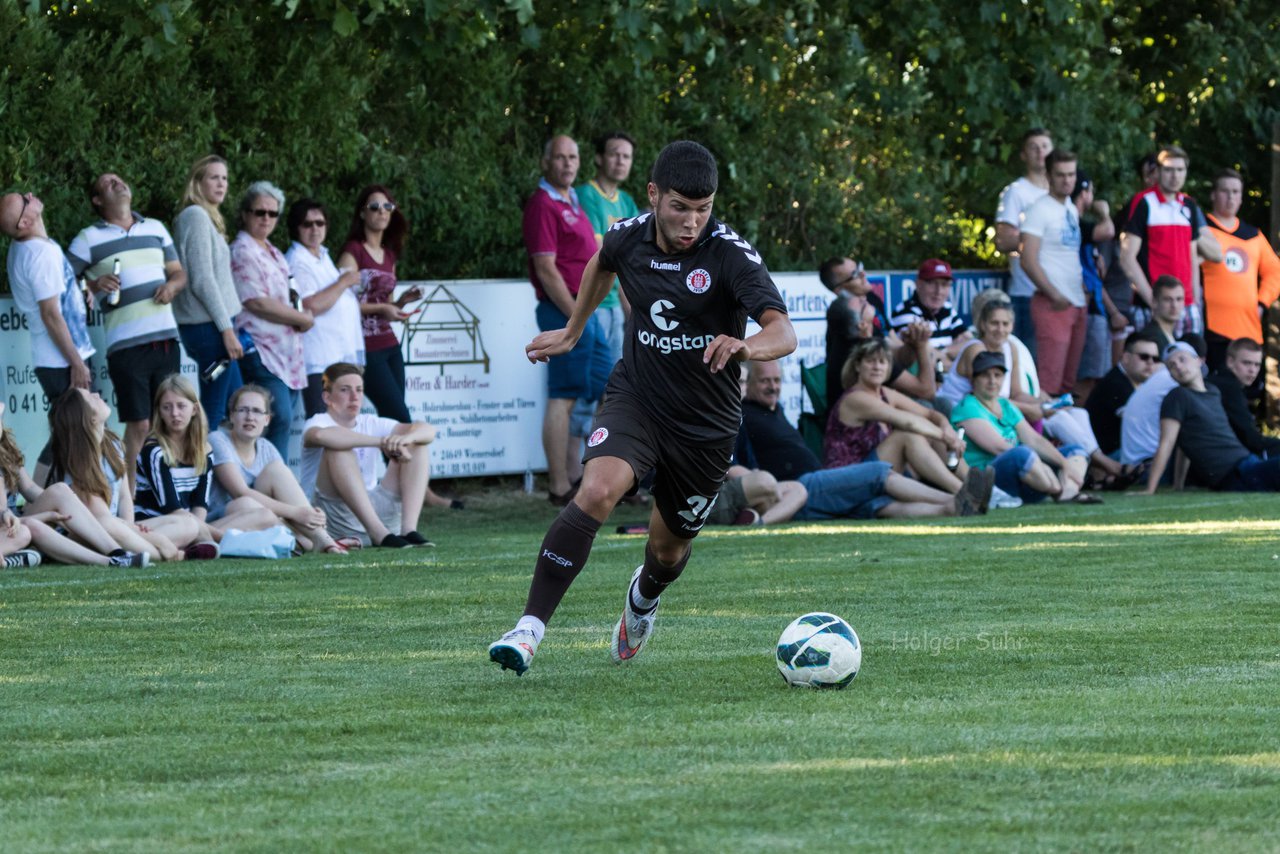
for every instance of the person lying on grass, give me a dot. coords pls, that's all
(1027, 465)
(246, 465)
(85, 541)
(174, 470)
(342, 462)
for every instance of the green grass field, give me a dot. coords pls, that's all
(1076, 678)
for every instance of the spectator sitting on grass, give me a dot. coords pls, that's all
(1025, 463)
(342, 450)
(876, 423)
(1192, 420)
(1140, 359)
(751, 497)
(862, 491)
(1140, 417)
(246, 465)
(1243, 364)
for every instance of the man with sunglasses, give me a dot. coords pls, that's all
(131, 265)
(1139, 361)
(856, 313)
(44, 290)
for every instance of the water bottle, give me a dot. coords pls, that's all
(114, 297)
(953, 459)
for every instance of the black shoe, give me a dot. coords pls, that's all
(394, 541)
(413, 538)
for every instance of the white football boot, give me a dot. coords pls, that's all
(633, 630)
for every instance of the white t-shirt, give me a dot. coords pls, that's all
(1057, 224)
(370, 459)
(37, 271)
(1140, 418)
(336, 335)
(1014, 201)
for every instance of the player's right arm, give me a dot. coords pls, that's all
(597, 280)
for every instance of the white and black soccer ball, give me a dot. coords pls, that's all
(819, 650)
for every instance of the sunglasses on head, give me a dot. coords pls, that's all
(384, 206)
(263, 212)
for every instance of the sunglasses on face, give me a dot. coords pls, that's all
(263, 212)
(858, 272)
(384, 206)
(1147, 357)
(314, 223)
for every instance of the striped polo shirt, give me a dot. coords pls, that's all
(142, 250)
(1166, 225)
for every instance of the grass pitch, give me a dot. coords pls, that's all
(1043, 678)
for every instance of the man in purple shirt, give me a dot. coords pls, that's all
(560, 241)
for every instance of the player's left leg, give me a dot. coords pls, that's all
(665, 557)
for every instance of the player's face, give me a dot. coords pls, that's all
(1035, 150)
(1227, 195)
(1170, 304)
(1183, 367)
(345, 396)
(176, 412)
(934, 293)
(986, 385)
(997, 328)
(1245, 366)
(560, 165)
(679, 220)
(251, 416)
(1062, 179)
(1141, 361)
(615, 163)
(765, 385)
(1173, 174)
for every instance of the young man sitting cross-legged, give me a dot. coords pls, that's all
(342, 461)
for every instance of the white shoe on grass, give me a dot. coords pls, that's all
(633, 630)
(514, 650)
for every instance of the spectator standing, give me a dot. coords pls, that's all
(271, 325)
(930, 304)
(1238, 290)
(1141, 357)
(1015, 199)
(1164, 235)
(605, 202)
(326, 292)
(1242, 368)
(1096, 360)
(1051, 260)
(374, 243)
(206, 308)
(560, 240)
(44, 290)
(141, 333)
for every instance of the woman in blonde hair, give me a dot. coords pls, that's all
(174, 472)
(206, 308)
(86, 456)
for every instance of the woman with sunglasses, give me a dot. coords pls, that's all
(326, 293)
(206, 308)
(374, 242)
(272, 323)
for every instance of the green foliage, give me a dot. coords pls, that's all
(839, 126)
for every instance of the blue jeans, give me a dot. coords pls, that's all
(584, 370)
(1255, 473)
(203, 343)
(847, 492)
(1017, 462)
(612, 322)
(284, 401)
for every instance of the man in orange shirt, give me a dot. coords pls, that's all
(1239, 288)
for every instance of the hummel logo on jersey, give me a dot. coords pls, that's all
(665, 265)
(730, 235)
(657, 313)
(555, 558)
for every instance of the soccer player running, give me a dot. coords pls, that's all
(671, 406)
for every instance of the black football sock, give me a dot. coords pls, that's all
(655, 576)
(564, 552)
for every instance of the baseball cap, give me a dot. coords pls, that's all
(1083, 182)
(934, 268)
(986, 360)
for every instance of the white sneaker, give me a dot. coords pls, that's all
(1002, 500)
(633, 630)
(514, 650)
(22, 558)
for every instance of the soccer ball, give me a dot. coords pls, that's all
(819, 651)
